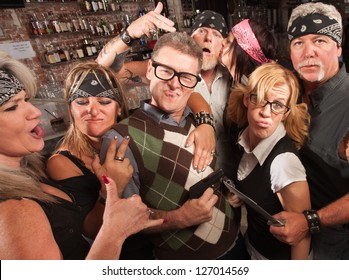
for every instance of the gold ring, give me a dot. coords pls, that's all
(119, 158)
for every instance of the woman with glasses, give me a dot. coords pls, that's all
(272, 128)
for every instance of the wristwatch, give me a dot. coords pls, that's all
(126, 38)
(313, 221)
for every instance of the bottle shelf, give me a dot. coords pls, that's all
(68, 62)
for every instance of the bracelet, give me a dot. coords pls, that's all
(126, 38)
(204, 118)
(313, 220)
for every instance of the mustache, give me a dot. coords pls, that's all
(309, 62)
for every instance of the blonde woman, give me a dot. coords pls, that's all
(270, 126)
(39, 219)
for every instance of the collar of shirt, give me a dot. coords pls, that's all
(263, 149)
(326, 90)
(219, 74)
(160, 116)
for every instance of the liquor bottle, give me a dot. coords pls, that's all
(33, 26)
(93, 26)
(88, 5)
(39, 24)
(80, 50)
(100, 5)
(87, 47)
(94, 4)
(49, 56)
(56, 26)
(106, 5)
(94, 48)
(62, 23)
(61, 54)
(48, 25)
(66, 51)
(56, 54)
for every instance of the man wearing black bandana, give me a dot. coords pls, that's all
(315, 33)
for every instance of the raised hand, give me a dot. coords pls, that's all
(147, 24)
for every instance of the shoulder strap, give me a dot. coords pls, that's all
(76, 161)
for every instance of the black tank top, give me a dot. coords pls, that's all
(84, 188)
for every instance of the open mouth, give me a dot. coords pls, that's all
(206, 50)
(37, 132)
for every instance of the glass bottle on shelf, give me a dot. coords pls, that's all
(88, 5)
(94, 4)
(69, 23)
(87, 47)
(33, 26)
(56, 25)
(93, 47)
(56, 54)
(63, 24)
(100, 29)
(93, 26)
(106, 5)
(61, 54)
(83, 23)
(48, 25)
(76, 24)
(41, 28)
(80, 50)
(100, 5)
(49, 54)
(105, 27)
(66, 51)
(72, 51)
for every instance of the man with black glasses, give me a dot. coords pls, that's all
(199, 228)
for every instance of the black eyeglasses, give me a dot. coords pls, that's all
(167, 73)
(275, 106)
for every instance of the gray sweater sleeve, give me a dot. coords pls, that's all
(134, 183)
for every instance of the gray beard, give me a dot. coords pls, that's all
(209, 64)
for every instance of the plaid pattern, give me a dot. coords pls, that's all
(166, 174)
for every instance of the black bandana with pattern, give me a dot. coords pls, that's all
(212, 20)
(97, 86)
(9, 86)
(315, 24)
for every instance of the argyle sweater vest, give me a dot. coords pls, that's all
(166, 174)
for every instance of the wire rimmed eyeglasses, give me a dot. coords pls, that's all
(166, 73)
(276, 107)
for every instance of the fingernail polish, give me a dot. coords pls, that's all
(127, 137)
(115, 137)
(165, 221)
(105, 179)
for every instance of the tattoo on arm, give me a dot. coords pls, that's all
(131, 78)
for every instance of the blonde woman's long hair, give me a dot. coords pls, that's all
(74, 139)
(23, 182)
(261, 81)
